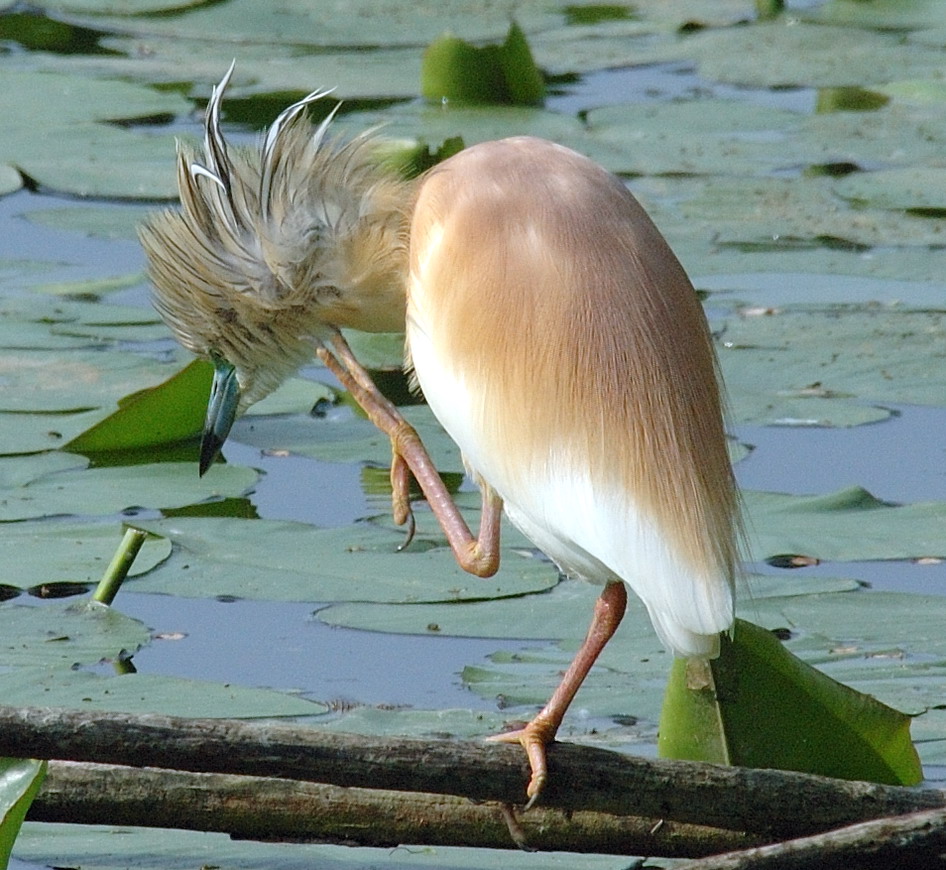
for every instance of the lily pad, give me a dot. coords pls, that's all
(789, 52)
(20, 780)
(148, 693)
(53, 552)
(810, 722)
(918, 189)
(35, 380)
(69, 156)
(343, 436)
(286, 561)
(824, 367)
(102, 491)
(118, 848)
(60, 636)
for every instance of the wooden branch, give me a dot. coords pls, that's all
(277, 809)
(912, 842)
(774, 804)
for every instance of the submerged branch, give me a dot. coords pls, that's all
(769, 803)
(276, 809)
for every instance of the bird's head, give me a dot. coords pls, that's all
(273, 249)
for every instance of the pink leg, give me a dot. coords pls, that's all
(479, 555)
(609, 611)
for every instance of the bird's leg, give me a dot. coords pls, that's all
(609, 611)
(476, 555)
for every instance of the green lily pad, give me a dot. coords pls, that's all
(149, 693)
(118, 848)
(37, 380)
(722, 137)
(69, 155)
(783, 53)
(843, 526)
(31, 432)
(170, 412)
(342, 436)
(101, 491)
(47, 552)
(914, 189)
(879, 14)
(429, 724)
(767, 708)
(455, 69)
(60, 636)
(286, 561)
(20, 780)
(823, 367)
(111, 221)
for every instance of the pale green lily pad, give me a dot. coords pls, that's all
(295, 396)
(94, 286)
(800, 211)
(10, 180)
(110, 221)
(562, 613)
(47, 552)
(899, 134)
(77, 152)
(102, 491)
(823, 367)
(691, 137)
(262, 69)
(148, 693)
(284, 561)
(111, 848)
(879, 14)
(74, 381)
(843, 526)
(59, 636)
(300, 23)
(788, 52)
(434, 124)
(32, 432)
(915, 188)
(432, 724)
(342, 436)
(37, 322)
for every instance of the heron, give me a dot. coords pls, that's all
(551, 329)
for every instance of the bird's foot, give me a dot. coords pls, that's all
(534, 737)
(401, 496)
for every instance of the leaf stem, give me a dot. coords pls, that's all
(120, 565)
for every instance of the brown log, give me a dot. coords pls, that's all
(277, 809)
(774, 804)
(913, 842)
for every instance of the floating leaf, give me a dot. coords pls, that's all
(286, 561)
(20, 780)
(149, 693)
(46, 552)
(455, 69)
(847, 525)
(60, 636)
(170, 412)
(763, 707)
(100, 491)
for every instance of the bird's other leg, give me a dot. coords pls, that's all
(476, 555)
(609, 611)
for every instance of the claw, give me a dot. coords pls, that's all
(538, 734)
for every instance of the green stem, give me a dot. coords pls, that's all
(119, 567)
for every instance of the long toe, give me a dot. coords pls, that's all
(534, 737)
